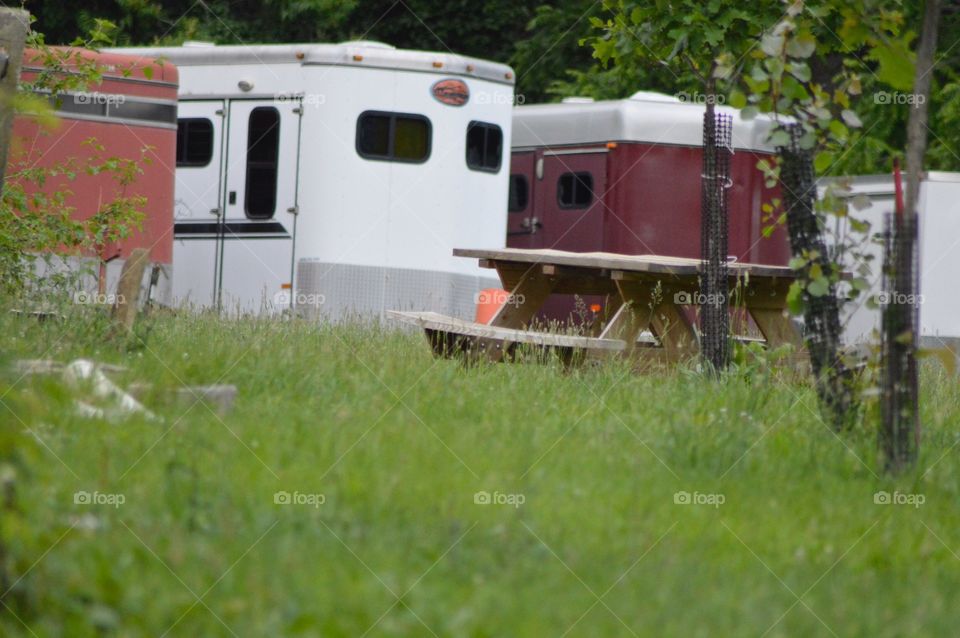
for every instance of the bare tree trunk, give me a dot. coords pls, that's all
(917, 124)
(900, 430)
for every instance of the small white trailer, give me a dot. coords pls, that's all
(336, 178)
(939, 260)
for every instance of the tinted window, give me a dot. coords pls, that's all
(484, 146)
(575, 190)
(393, 137)
(194, 141)
(519, 193)
(146, 111)
(263, 152)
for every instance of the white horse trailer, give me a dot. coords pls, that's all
(939, 244)
(336, 178)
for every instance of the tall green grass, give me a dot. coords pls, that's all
(399, 444)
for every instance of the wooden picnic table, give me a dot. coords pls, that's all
(646, 293)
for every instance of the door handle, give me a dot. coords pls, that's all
(233, 198)
(531, 224)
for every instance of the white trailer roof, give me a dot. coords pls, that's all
(882, 185)
(360, 54)
(644, 117)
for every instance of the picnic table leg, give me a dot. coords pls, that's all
(667, 320)
(776, 326)
(525, 299)
(626, 324)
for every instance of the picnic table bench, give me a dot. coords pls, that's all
(647, 293)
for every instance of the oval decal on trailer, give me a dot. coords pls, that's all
(452, 92)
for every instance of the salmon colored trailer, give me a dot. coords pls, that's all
(623, 176)
(131, 113)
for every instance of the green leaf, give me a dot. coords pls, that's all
(896, 65)
(737, 99)
(823, 161)
(801, 46)
(749, 113)
(861, 202)
(795, 298)
(818, 287)
(779, 138)
(771, 44)
(839, 130)
(800, 71)
(793, 89)
(851, 118)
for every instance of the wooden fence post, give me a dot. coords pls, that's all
(14, 25)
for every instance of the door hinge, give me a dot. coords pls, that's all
(294, 210)
(298, 110)
(219, 112)
(215, 211)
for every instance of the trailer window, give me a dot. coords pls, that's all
(575, 190)
(393, 137)
(194, 142)
(263, 152)
(519, 193)
(484, 146)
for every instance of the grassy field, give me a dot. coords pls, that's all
(378, 455)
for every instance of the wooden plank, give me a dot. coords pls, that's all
(128, 290)
(633, 263)
(452, 325)
(566, 282)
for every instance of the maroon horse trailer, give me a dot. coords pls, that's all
(623, 176)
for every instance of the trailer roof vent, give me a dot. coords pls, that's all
(198, 44)
(577, 100)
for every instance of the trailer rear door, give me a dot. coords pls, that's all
(257, 241)
(569, 199)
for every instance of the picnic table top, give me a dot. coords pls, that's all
(656, 264)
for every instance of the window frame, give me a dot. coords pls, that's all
(487, 127)
(276, 166)
(213, 134)
(391, 136)
(577, 177)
